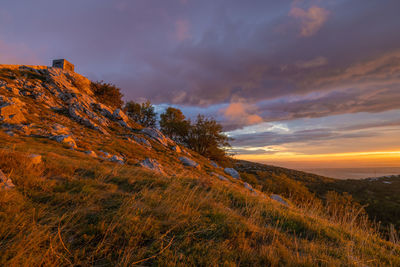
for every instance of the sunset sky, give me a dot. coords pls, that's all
(295, 83)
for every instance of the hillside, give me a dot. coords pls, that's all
(83, 185)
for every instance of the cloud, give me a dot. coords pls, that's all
(239, 114)
(182, 32)
(315, 62)
(311, 20)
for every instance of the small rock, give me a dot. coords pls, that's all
(152, 164)
(58, 129)
(177, 149)
(35, 159)
(232, 172)
(5, 182)
(91, 153)
(222, 178)
(279, 199)
(66, 139)
(142, 141)
(215, 165)
(105, 155)
(117, 159)
(190, 163)
(248, 186)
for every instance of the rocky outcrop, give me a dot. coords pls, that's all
(5, 182)
(189, 163)
(232, 172)
(153, 165)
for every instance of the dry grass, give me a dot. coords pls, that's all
(75, 210)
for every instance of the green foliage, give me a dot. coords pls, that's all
(174, 125)
(143, 113)
(107, 93)
(204, 136)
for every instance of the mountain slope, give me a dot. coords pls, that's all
(91, 187)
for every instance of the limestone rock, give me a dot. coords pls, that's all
(58, 129)
(157, 136)
(215, 165)
(142, 141)
(177, 149)
(190, 163)
(5, 182)
(120, 116)
(221, 177)
(279, 199)
(117, 159)
(248, 186)
(153, 165)
(66, 139)
(91, 153)
(232, 172)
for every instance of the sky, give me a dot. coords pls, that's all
(295, 83)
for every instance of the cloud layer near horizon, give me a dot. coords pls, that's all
(245, 64)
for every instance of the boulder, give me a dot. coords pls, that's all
(153, 165)
(5, 182)
(35, 159)
(157, 136)
(188, 162)
(279, 199)
(232, 172)
(66, 139)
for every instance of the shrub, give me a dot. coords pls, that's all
(143, 113)
(107, 94)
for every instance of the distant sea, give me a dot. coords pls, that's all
(355, 173)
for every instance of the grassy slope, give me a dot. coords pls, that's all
(74, 209)
(381, 200)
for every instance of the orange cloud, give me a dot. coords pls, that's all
(241, 114)
(311, 20)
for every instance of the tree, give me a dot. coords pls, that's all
(174, 125)
(206, 138)
(143, 113)
(107, 94)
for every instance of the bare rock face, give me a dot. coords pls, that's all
(232, 172)
(153, 165)
(190, 163)
(5, 182)
(157, 136)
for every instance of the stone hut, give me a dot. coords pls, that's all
(63, 64)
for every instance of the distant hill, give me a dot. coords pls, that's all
(81, 184)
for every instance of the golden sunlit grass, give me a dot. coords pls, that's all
(75, 210)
